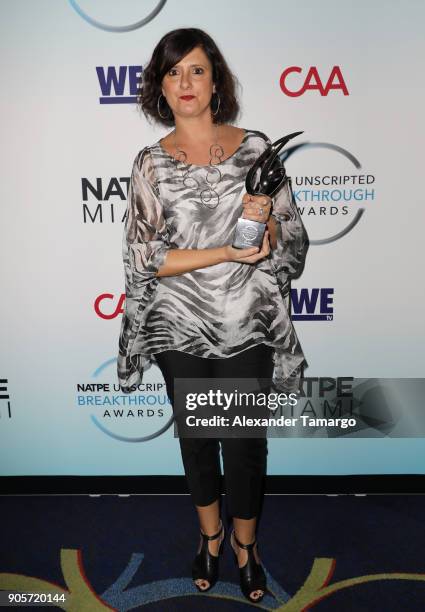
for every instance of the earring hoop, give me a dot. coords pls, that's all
(159, 110)
(218, 105)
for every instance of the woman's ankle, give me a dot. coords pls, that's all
(242, 553)
(210, 531)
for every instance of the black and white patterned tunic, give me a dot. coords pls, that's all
(212, 312)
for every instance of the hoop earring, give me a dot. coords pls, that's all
(218, 105)
(159, 110)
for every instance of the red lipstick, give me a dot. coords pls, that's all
(187, 97)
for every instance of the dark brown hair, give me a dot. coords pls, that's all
(168, 52)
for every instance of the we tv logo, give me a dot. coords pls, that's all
(312, 304)
(119, 85)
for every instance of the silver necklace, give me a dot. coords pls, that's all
(206, 192)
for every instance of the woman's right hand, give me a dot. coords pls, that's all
(179, 261)
(250, 255)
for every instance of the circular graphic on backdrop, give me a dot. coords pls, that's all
(119, 416)
(111, 28)
(356, 216)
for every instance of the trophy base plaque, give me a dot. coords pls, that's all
(248, 234)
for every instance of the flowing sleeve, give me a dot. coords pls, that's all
(292, 241)
(145, 243)
(145, 239)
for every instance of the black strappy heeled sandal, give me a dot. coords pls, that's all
(251, 575)
(205, 565)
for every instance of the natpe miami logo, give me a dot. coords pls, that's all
(5, 408)
(117, 28)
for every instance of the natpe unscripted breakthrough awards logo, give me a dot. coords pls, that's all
(140, 416)
(334, 196)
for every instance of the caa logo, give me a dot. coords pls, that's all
(312, 304)
(313, 81)
(119, 86)
(107, 307)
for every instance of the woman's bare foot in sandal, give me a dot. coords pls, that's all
(207, 556)
(242, 555)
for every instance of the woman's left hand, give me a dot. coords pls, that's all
(256, 207)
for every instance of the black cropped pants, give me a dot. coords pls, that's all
(244, 459)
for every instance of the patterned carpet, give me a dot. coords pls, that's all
(321, 553)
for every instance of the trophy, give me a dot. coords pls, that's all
(265, 177)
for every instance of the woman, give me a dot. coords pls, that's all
(196, 306)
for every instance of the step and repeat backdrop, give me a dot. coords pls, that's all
(349, 76)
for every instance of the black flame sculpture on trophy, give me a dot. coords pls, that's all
(266, 176)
